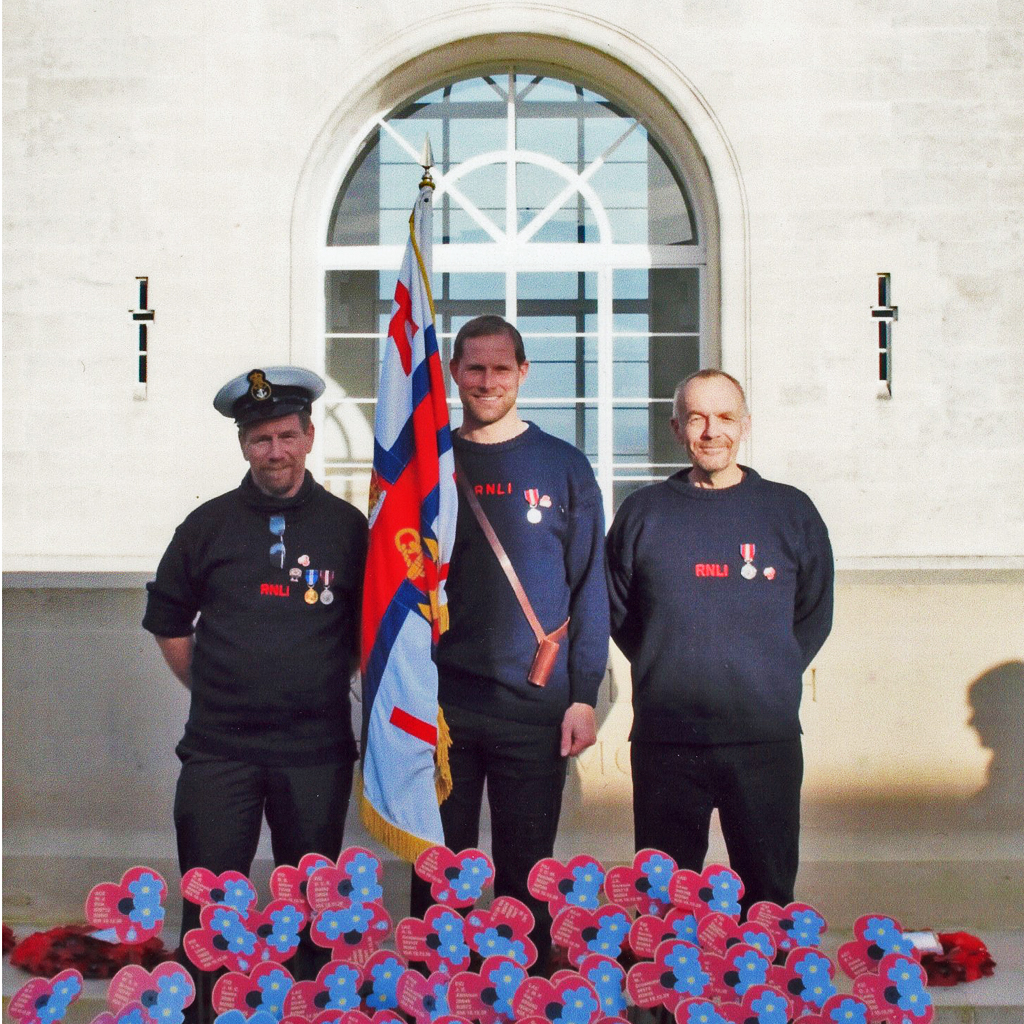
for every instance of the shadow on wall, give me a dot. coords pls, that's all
(996, 699)
(996, 702)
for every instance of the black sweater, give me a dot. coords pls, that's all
(270, 670)
(718, 657)
(485, 656)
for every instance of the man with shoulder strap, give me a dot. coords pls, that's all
(521, 663)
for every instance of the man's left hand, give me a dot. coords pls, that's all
(579, 729)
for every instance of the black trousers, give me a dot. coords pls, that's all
(219, 807)
(525, 774)
(756, 788)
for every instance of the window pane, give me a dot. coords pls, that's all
(477, 90)
(485, 187)
(549, 378)
(352, 364)
(351, 301)
(564, 226)
(599, 134)
(553, 136)
(538, 324)
(462, 228)
(475, 286)
(622, 185)
(471, 136)
(553, 285)
(630, 431)
(535, 188)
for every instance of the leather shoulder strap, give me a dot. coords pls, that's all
(499, 551)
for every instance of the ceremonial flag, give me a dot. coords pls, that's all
(413, 505)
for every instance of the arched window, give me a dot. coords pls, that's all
(557, 209)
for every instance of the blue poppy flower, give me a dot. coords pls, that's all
(342, 988)
(683, 956)
(335, 923)
(146, 916)
(724, 893)
(275, 982)
(474, 874)
(146, 890)
(440, 1001)
(577, 1008)
(685, 927)
(174, 989)
(691, 982)
(882, 932)
(759, 941)
(241, 941)
(66, 990)
(490, 943)
(849, 1011)
(704, 1012)
(363, 869)
(285, 935)
(506, 980)
(807, 928)
(239, 895)
(449, 928)
(611, 932)
(166, 1014)
(770, 1009)
(384, 977)
(911, 996)
(607, 982)
(587, 880)
(362, 864)
(813, 971)
(752, 969)
(658, 869)
(683, 960)
(134, 1016)
(328, 924)
(226, 921)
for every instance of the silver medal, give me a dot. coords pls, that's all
(326, 597)
(748, 572)
(533, 515)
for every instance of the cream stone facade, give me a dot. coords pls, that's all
(202, 146)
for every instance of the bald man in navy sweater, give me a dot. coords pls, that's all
(721, 594)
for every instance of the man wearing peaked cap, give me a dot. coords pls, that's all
(268, 394)
(255, 608)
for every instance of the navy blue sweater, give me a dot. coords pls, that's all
(270, 671)
(718, 657)
(484, 658)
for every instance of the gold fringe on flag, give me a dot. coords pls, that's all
(442, 770)
(400, 842)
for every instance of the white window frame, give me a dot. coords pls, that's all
(511, 251)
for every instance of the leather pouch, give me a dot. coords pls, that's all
(543, 662)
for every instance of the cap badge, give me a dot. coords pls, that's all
(259, 386)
